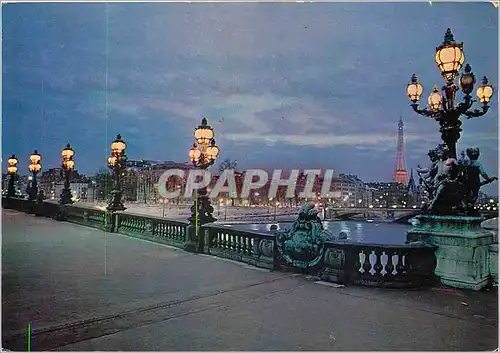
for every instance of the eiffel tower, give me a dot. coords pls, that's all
(400, 174)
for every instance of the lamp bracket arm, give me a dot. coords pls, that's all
(476, 112)
(467, 104)
(424, 112)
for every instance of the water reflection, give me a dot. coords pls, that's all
(356, 231)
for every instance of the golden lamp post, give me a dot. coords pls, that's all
(12, 171)
(117, 162)
(34, 168)
(203, 154)
(443, 106)
(68, 165)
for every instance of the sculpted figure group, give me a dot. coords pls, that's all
(302, 245)
(453, 185)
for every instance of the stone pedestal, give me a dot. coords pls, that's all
(463, 248)
(494, 262)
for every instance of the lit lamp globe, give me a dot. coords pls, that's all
(414, 89)
(435, 99)
(118, 146)
(212, 151)
(12, 169)
(449, 57)
(484, 92)
(467, 80)
(112, 161)
(194, 154)
(35, 158)
(70, 165)
(203, 133)
(68, 152)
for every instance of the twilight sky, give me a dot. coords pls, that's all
(319, 85)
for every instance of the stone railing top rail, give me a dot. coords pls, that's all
(82, 207)
(158, 218)
(450, 218)
(243, 232)
(348, 244)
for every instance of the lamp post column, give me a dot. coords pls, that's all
(68, 165)
(34, 168)
(117, 162)
(12, 170)
(203, 154)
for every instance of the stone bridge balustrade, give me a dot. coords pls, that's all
(394, 266)
(254, 248)
(158, 229)
(409, 265)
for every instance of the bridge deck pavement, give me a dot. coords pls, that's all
(83, 289)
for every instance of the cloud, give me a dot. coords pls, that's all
(360, 141)
(325, 81)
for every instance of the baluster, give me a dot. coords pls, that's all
(232, 242)
(359, 262)
(367, 266)
(405, 265)
(239, 244)
(217, 241)
(244, 245)
(377, 269)
(389, 267)
(400, 264)
(223, 240)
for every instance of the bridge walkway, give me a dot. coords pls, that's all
(84, 289)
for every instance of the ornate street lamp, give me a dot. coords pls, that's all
(203, 154)
(34, 168)
(453, 191)
(117, 162)
(12, 171)
(442, 107)
(68, 165)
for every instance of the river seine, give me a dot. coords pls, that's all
(357, 231)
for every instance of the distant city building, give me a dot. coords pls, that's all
(79, 191)
(349, 191)
(51, 182)
(389, 194)
(400, 174)
(140, 183)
